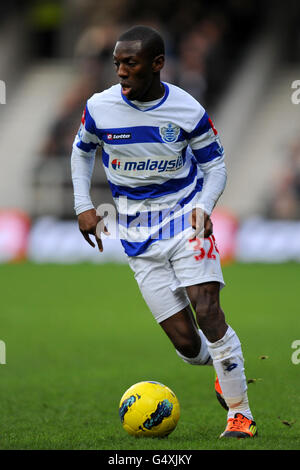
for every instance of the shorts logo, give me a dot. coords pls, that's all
(118, 136)
(169, 133)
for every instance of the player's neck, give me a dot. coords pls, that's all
(156, 91)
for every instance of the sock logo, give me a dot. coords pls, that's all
(229, 366)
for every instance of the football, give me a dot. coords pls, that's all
(149, 409)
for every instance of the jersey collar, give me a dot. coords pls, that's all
(152, 107)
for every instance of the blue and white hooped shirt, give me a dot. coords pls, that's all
(152, 158)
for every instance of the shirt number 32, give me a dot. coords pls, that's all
(197, 244)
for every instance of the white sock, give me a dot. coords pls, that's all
(228, 362)
(203, 357)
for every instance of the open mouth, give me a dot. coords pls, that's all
(126, 90)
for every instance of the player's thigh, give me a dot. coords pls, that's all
(196, 262)
(159, 286)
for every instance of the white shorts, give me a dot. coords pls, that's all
(168, 266)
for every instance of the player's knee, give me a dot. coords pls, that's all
(207, 309)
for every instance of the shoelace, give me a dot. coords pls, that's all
(238, 423)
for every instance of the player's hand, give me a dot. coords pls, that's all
(201, 223)
(92, 224)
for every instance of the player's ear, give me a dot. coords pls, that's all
(158, 63)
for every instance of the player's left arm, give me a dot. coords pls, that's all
(82, 165)
(209, 154)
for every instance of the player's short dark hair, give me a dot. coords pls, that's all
(152, 42)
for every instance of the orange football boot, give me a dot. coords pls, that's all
(240, 427)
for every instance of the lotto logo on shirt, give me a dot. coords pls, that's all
(119, 136)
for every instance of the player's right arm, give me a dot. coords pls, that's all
(209, 154)
(82, 165)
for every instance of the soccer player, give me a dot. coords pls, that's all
(165, 166)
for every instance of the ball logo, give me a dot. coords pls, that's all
(169, 133)
(116, 164)
(109, 136)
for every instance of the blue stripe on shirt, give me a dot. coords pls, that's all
(89, 124)
(208, 153)
(134, 135)
(136, 248)
(152, 191)
(86, 147)
(170, 230)
(202, 127)
(155, 217)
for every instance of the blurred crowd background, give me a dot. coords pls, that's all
(239, 58)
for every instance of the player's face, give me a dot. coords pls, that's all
(136, 71)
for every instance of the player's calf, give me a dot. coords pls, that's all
(209, 314)
(182, 331)
(202, 357)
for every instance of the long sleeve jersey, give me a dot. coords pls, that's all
(161, 159)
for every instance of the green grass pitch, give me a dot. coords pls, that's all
(78, 336)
